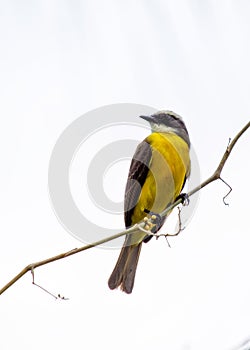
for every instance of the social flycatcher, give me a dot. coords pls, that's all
(157, 174)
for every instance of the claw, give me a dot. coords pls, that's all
(184, 199)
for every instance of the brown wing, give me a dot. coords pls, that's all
(137, 175)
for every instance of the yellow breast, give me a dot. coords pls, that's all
(169, 166)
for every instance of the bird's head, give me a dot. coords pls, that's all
(167, 122)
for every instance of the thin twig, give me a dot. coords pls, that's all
(45, 290)
(229, 191)
(215, 176)
(32, 266)
(180, 229)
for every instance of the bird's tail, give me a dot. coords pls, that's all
(123, 274)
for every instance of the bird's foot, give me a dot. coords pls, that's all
(155, 218)
(184, 199)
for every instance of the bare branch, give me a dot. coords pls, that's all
(141, 225)
(31, 267)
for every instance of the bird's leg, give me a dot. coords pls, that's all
(184, 199)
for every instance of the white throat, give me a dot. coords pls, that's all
(162, 128)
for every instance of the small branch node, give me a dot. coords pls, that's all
(70, 252)
(229, 142)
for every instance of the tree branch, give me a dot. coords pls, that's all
(215, 176)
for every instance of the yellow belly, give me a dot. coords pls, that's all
(169, 165)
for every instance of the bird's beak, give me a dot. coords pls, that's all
(148, 118)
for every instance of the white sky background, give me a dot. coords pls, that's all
(61, 59)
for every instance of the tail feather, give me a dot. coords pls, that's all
(123, 275)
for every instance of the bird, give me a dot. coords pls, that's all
(157, 174)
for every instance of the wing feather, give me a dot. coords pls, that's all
(137, 175)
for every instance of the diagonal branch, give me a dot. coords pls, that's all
(215, 176)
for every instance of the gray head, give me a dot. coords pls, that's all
(169, 122)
